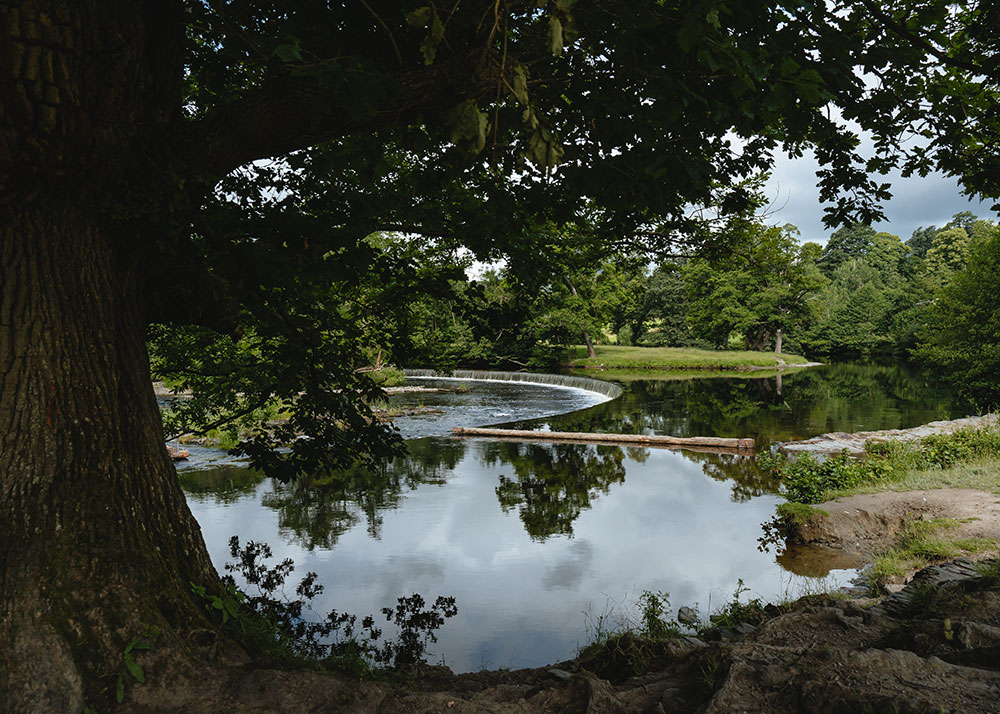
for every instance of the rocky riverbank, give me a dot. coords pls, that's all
(854, 443)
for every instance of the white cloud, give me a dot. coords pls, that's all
(916, 201)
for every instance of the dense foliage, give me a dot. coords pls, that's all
(865, 294)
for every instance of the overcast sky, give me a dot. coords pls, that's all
(916, 201)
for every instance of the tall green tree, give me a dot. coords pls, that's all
(660, 318)
(962, 331)
(848, 242)
(761, 289)
(948, 253)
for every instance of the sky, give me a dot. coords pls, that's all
(916, 201)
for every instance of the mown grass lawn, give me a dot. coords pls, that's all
(621, 357)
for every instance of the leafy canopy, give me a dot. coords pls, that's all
(305, 127)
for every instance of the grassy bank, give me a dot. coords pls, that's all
(922, 543)
(967, 458)
(625, 374)
(676, 358)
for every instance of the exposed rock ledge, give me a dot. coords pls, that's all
(837, 441)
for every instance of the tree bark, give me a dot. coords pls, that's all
(98, 539)
(777, 342)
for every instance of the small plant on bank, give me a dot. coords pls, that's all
(789, 516)
(736, 613)
(633, 642)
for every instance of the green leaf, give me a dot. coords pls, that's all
(289, 51)
(468, 126)
(519, 83)
(530, 118)
(420, 17)
(134, 668)
(432, 41)
(120, 690)
(555, 35)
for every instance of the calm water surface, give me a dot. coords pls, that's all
(537, 541)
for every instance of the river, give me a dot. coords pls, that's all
(542, 545)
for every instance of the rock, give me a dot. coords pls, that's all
(672, 700)
(773, 675)
(560, 674)
(687, 616)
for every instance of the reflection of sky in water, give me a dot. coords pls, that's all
(522, 602)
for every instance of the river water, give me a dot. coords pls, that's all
(542, 544)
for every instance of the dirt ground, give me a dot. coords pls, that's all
(868, 523)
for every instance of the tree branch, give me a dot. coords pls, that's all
(287, 112)
(875, 10)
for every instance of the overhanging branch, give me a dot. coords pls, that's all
(287, 112)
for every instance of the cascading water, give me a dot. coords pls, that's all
(608, 389)
(490, 399)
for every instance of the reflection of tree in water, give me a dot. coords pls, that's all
(554, 482)
(222, 484)
(748, 479)
(807, 402)
(317, 510)
(692, 407)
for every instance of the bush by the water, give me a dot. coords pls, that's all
(277, 630)
(811, 479)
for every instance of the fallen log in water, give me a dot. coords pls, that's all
(715, 442)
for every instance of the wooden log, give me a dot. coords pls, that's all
(636, 439)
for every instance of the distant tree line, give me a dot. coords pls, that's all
(864, 294)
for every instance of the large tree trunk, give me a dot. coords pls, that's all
(97, 540)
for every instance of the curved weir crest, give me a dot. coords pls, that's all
(607, 389)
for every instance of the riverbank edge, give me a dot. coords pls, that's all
(930, 649)
(693, 368)
(873, 519)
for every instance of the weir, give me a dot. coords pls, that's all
(608, 389)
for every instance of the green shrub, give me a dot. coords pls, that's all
(811, 479)
(808, 479)
(388, 377)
